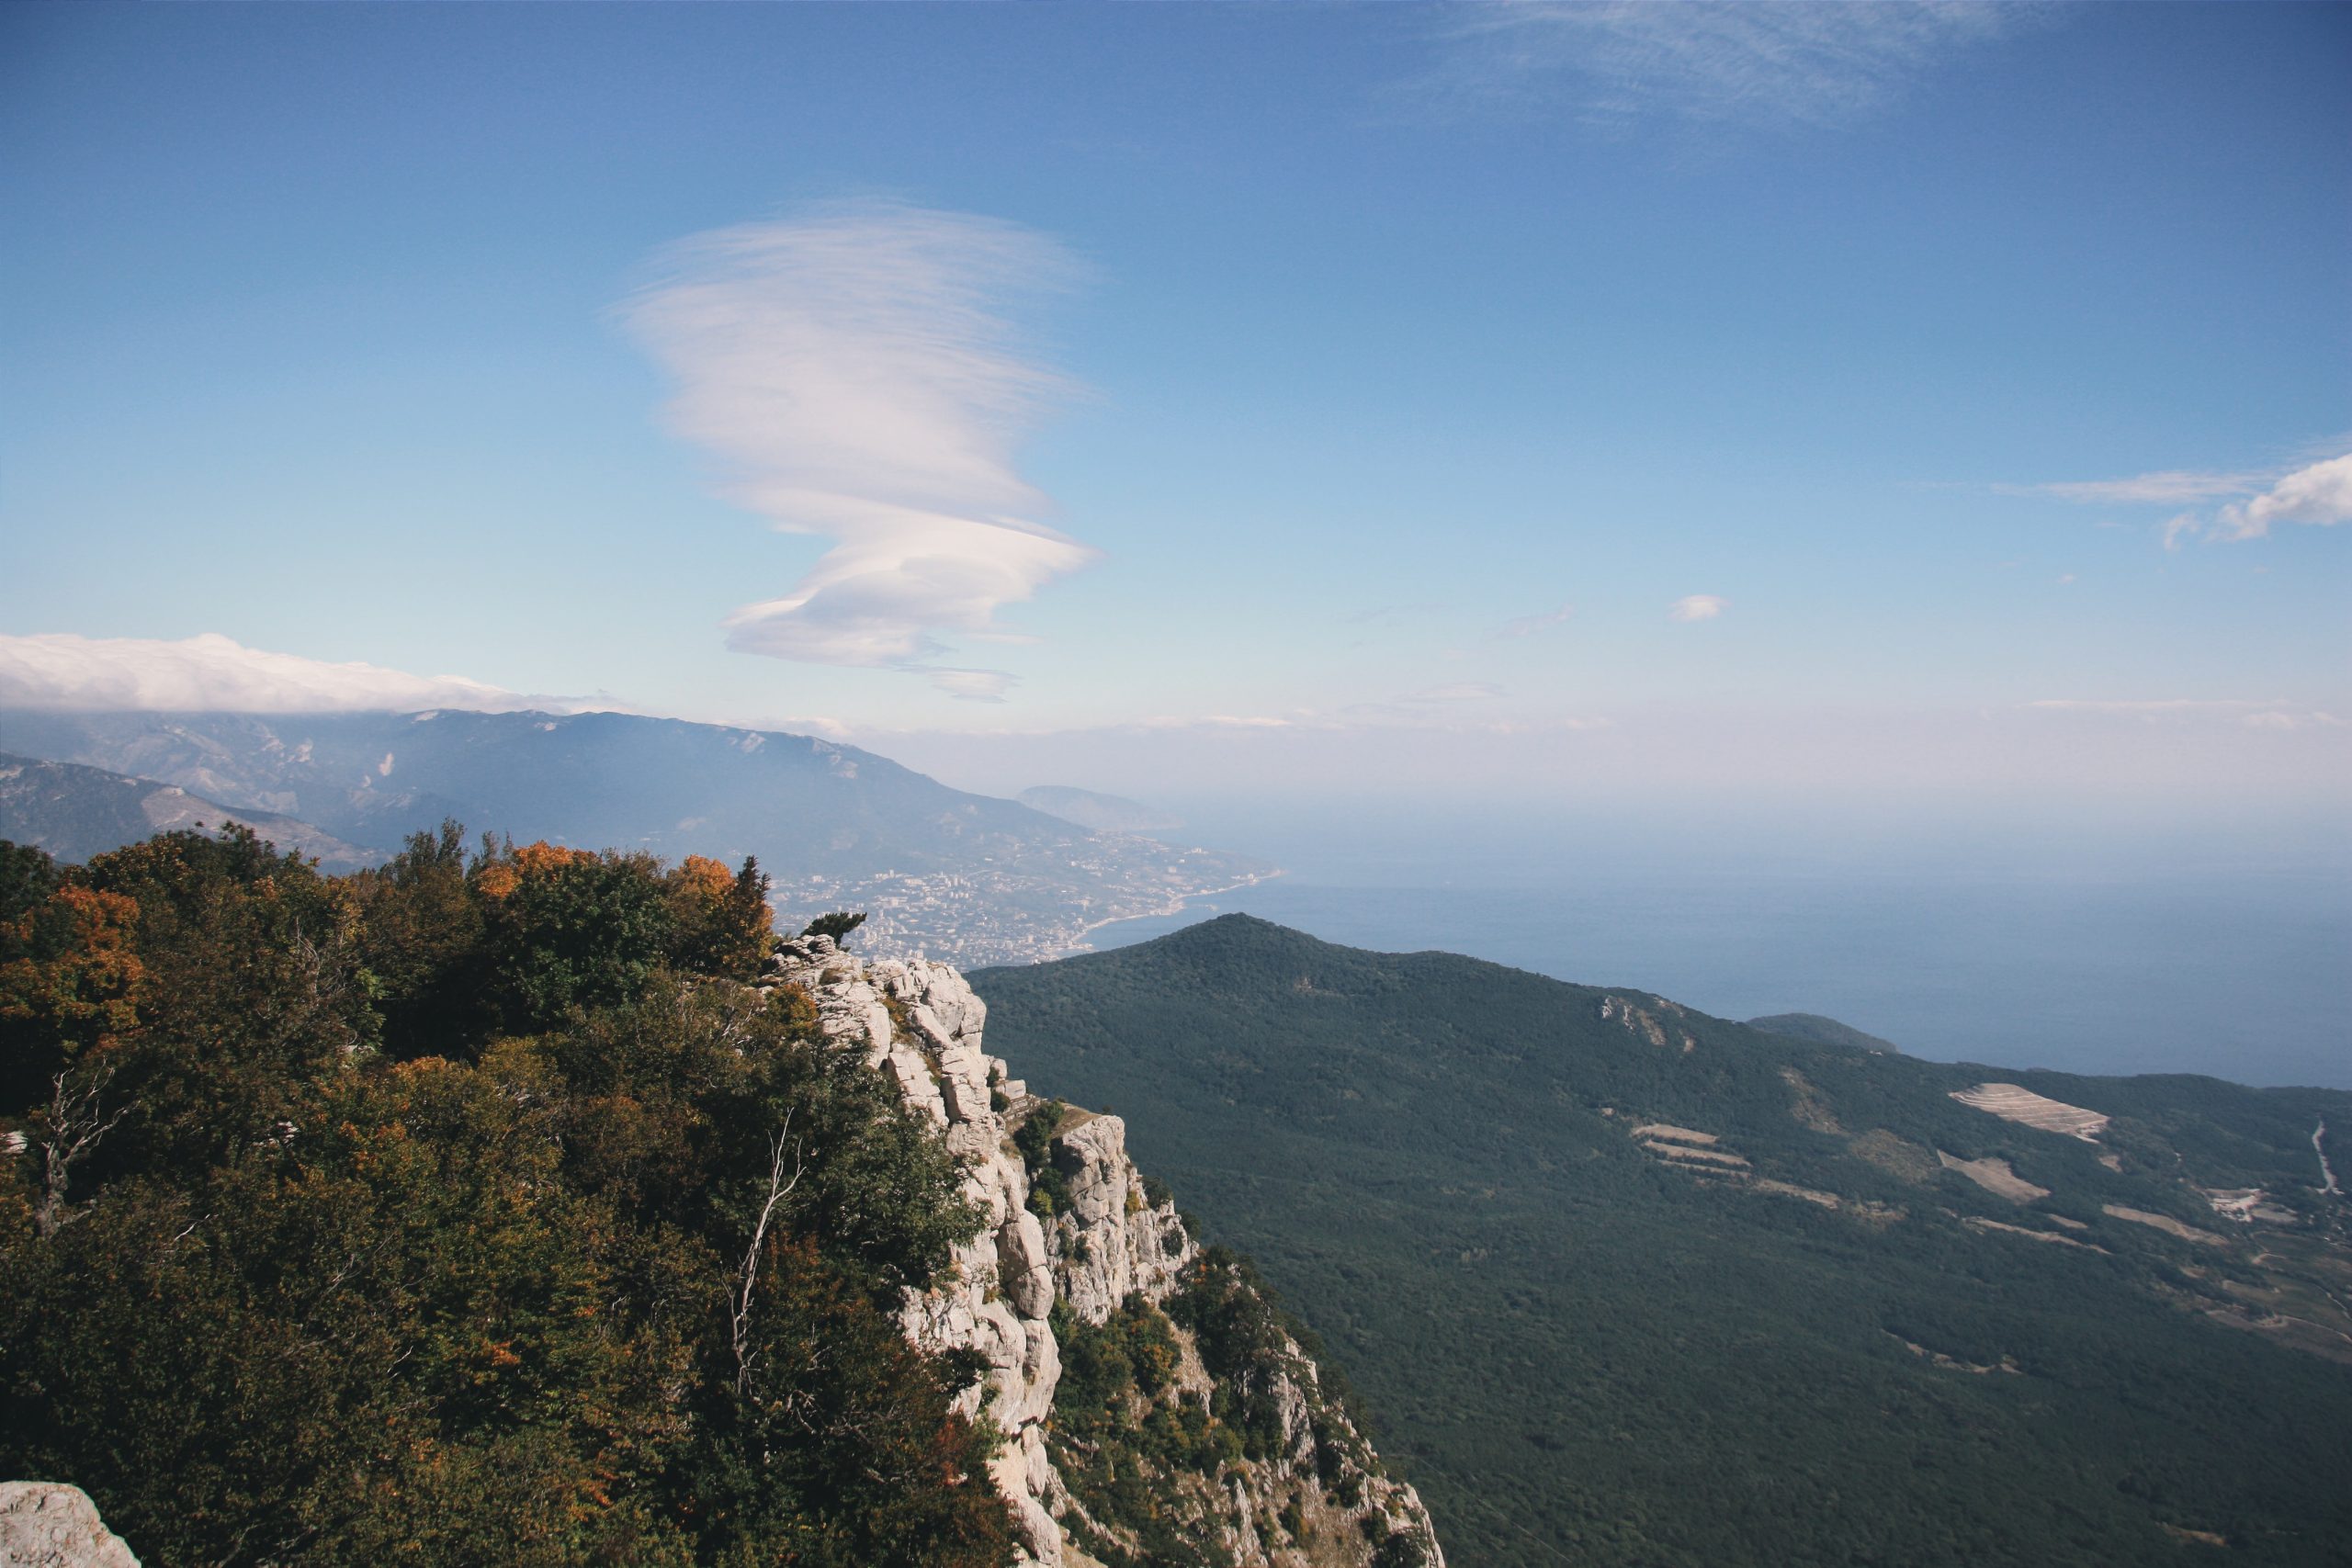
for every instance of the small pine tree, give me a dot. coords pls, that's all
(837, 925)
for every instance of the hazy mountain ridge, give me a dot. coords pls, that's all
(1822, 1029)
(959, 877)
(1095, 811)
(1654, 1286)
(73, 812)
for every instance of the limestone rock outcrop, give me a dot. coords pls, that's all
(1107, 1243)
(45, 1524)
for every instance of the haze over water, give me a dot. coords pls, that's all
(2141, 950)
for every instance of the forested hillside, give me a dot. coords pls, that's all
(431, 1215)
(1635, 1285)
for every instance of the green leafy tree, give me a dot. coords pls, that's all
(570, 929)
(27, 876)
(424, 945)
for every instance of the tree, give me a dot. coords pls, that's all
(723, 922)
(837, 925)
(27, 876)
(573, 929)
(424, 945)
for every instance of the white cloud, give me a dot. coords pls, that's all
(1697, 607)
(65, 672)
(2320, 494)
(2171, 487)
(1619, 64)
(1525, 625)
(858, 376)
(973, 685)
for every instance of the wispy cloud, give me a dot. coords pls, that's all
(2277, 718)
(2272, 713)
(65, 672)
(2147, 706)
(2319, 493)
(1455, 691)
(973, 685)
(1617, 65)
(1697, 607)
(1527, 626)
(858, 375)
(2174, 486)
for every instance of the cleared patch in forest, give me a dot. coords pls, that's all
(1979, 1223)
(1996, 1176)
(2165, 1223)
(2015, 1103)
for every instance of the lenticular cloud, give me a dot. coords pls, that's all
(857, 375)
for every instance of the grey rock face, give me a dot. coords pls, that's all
(921, 1023)
(996, 1296)
(46, 1524)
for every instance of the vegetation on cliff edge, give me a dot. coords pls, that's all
(474, 1209)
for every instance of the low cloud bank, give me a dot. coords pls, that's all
(63, 672)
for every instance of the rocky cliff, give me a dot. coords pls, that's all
(1190, 1414)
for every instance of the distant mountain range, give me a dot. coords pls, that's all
(1629, 1284)
(74, 812)
(966, 878)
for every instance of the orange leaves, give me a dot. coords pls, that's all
(532, 862)
(542, 858)
(497, 881)
(68, 970)
(703, 879)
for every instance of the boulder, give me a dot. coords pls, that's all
(46, 1524)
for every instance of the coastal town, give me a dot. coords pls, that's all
(1018, 908)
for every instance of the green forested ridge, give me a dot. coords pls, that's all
(474, 1210)
(1822, 1031)
(1586, 1351)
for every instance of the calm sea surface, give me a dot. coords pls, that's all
(2158, 956)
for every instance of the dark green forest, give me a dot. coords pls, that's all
(477, 1209)
(1586, 1353)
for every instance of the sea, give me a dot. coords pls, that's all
(2082, 948)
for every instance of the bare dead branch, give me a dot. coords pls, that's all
(75, 1125)
(779, 1186)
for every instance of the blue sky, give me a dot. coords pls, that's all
(1640, 401)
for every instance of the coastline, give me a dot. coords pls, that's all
(1175, 906)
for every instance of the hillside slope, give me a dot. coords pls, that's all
(966, 878)
(1633, 1284)
(543, 1208)
(1821, 1031)
(1158, 1411)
